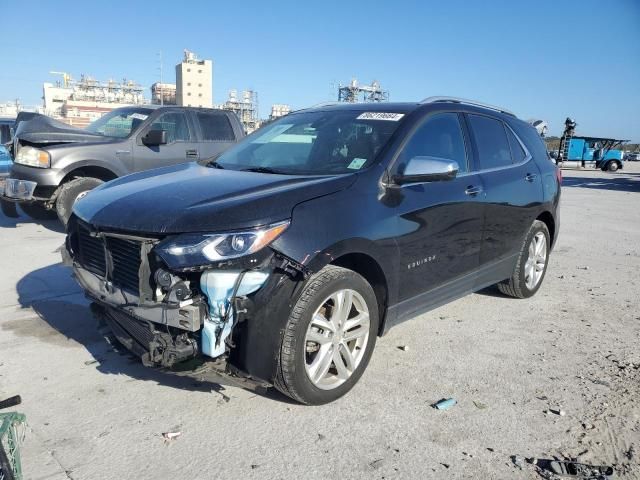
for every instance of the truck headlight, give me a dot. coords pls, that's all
(197, 249)
(33, 157)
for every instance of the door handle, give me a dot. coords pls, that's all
(192, 154)
(473, 190)
(530, 177)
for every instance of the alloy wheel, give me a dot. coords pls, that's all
(536, 261)
(336, 339)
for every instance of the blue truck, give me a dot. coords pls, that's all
(605, 152)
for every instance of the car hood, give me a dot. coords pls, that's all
(193, 198)
(42, 130)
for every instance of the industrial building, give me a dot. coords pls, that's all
(79, 103)
(194, 81)
(354, 92)
(279, 110)
(245, 107)
(163, 93)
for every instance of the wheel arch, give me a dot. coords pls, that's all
(90, 170)
(547, 218)
(367, 266)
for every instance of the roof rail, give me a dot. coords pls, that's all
(466, 102)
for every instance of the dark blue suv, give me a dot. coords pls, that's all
(287, 255)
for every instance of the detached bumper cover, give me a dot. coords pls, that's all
(16, 190)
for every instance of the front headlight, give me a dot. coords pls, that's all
(33, 157)
(196, 249)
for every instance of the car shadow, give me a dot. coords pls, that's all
(64, 315)
(21, 219)
(622, 182)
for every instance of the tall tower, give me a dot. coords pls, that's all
(194, 81)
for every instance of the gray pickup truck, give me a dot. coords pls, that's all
(55, 164)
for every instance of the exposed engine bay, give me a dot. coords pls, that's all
(162, 315)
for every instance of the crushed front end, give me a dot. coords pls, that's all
(165, 303)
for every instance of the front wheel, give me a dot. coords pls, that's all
(70, 193)
(329, 337)
(531, 265)
(612, 166)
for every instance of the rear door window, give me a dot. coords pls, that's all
(491, 141)
(215, 127)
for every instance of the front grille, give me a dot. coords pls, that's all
(125, 258)
(125, 255)
(91, 252)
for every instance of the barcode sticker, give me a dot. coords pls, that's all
(393, 117)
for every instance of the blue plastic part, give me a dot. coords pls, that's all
(218, 286)
(445, 404)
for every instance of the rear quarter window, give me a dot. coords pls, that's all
(215, 127)
(531, 139)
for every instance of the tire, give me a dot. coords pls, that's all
(37, 211)
(293, 376)
(519, 285)
(612, 166)
(69, 193)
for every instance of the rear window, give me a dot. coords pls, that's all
(491, 141)
(215, 127)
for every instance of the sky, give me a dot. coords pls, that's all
(541, 59)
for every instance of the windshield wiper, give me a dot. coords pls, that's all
(215, 164)
(261, 170)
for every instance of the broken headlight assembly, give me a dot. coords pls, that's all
(197, 249)
(33, 157)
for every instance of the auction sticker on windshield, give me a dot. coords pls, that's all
(394, 117)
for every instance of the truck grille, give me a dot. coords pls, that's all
(125, 256)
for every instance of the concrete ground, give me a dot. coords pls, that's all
(95, 413)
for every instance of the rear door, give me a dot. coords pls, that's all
(513, 187)
(181, 143)
(440, 222)
(216, 132)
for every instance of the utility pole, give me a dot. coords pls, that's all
(161, 84)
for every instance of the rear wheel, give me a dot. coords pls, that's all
(37, 211)
(329, 337)
(531, 265)
(71, 192)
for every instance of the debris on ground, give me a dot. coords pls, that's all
(479, 405)
(404, 348)
(445, 403)
(168, 436)
(376, 464)
(575, 469)
(90, 362)
(518, 461)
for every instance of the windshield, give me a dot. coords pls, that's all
(314, 143)
(119, 123)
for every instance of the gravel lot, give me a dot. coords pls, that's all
(95, 413)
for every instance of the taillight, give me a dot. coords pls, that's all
(559, 175)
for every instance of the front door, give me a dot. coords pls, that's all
(180, 147)
(440, 223)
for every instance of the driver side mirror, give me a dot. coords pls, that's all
(427, 169)
(155, 137)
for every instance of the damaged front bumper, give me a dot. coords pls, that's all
(195, 314)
